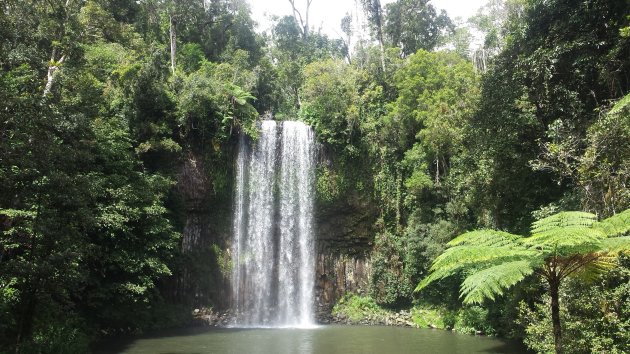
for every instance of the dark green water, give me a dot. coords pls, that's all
(321, 340)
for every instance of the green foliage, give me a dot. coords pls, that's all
(223, 260)
(330, 97)
(414, 25)
(474, 319)
(356, 308)
(598, 170)
(89, 231)
(389, 285)
(64, 337)
(330, 185)
(538, 327)
(211, 103)
(425, 317)
(436, 93)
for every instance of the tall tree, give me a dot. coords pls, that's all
(62, 27)
(413, 25)
(374, 12)
(348, 30)
(172, 30)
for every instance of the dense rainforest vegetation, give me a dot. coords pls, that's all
(103, 101)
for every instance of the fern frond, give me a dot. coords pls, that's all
(457, 258)
(492, 282)
(615, 225)
(563, 219)
(486, 237)
(591, 271)
(616, 244)
(566, 240)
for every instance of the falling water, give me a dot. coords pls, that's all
(273, 251)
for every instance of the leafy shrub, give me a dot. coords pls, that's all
(471, 319)
(356, 307)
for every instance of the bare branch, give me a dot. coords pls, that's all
(297, 15)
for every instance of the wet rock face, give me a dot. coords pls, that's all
(198, 280)
(208, 317)
(346, 227)
(193, 187)
(345, 237)
(338, 274)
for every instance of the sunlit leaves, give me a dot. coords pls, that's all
(494, 281)
(330, 97)
(562, 220)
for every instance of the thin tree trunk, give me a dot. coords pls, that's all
(54, 64)
(173, 36)
(53, 68)
(299, 20)
(382, 54)
(308, 9)
(555, 315)
(379, 29)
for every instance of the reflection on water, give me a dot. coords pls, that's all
(321, 340)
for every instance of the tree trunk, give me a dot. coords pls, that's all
(299, 20)
(25, 326)
(173, 37)
(382, 47)
(379, 31)
(53, 68)
(555, 315)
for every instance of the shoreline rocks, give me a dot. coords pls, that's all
(210, 318)
(399, 319)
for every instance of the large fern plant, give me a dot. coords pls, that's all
(560, 246)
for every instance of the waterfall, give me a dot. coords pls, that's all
(273, 249)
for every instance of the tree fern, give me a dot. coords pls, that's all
(565, 244)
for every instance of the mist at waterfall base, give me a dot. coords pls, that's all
(273, 248)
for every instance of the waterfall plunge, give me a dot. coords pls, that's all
(273, 249)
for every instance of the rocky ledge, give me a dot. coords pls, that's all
(400, 319)
(209, 317)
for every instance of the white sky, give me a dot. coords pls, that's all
(328, 13)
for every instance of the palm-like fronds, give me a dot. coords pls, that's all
(493, 281)
(573, 241)
(486, 237)
(616, 244)
(593, 268)
(616, 225)
(565, 241)
(562, 220)
(458, 258)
